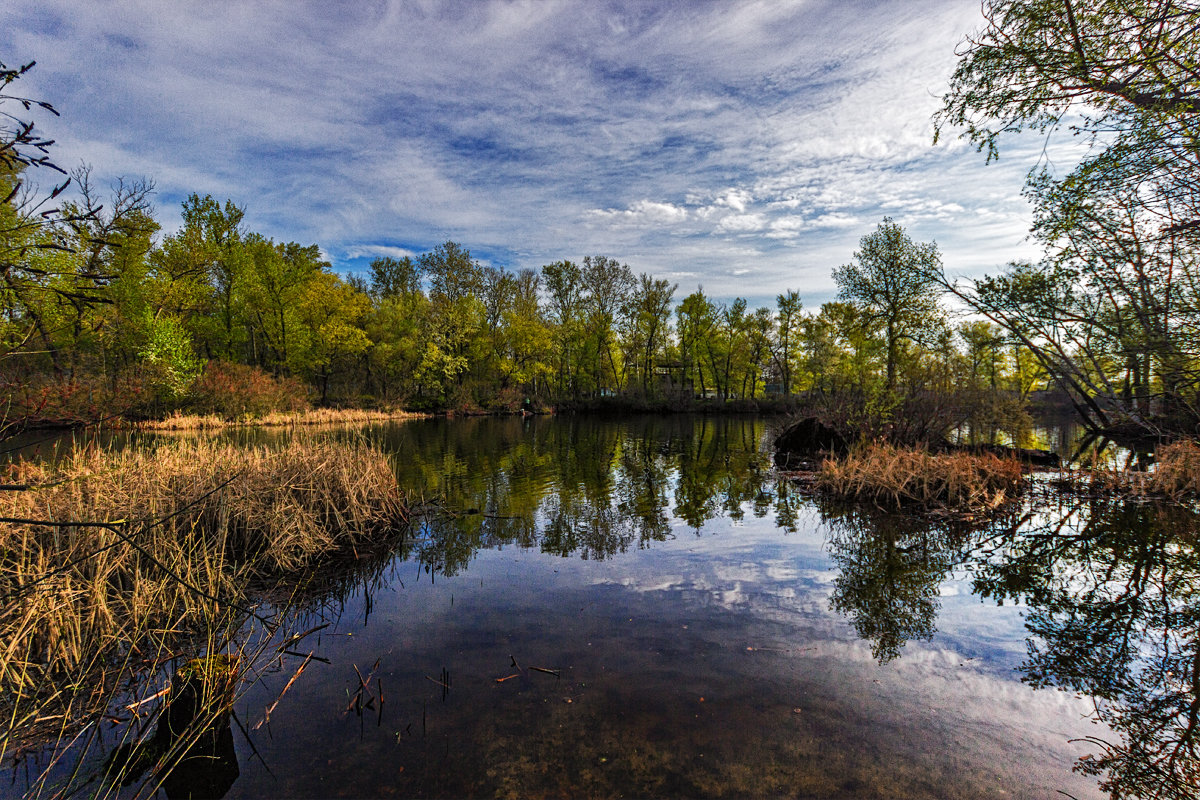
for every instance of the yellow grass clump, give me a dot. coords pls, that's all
(1175, 476)
(1177, 470)
(150, 544)
(316, 416)
(893, 477)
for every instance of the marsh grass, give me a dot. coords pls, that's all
(1175, 476)
(895, 477)
(142, 554)
(317, 416)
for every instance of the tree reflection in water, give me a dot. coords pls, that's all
(1111, 589)
(890, 571)
(1113, 611)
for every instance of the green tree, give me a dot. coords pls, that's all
(1111, 312)
(650, 321)
(696, 317)
(1125, 75)
(608, 287)
(329, 336)
(392, 277)
(892, 279)
(787, 335)
(564, 295)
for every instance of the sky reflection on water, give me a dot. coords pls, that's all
(696, 641)
(644, 608)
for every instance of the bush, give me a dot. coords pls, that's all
(233, 391)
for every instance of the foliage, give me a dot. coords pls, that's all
(891, 281)
(235, 391)
(1111, 312)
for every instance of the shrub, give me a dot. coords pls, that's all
(234, 391)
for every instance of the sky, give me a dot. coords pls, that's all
(745, 147)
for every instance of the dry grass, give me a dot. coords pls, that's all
(894, 477)
(177, 532)
(1175, 476)
(318, 416)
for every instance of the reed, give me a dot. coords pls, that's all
(133, 551)
(1175, 476)
(1177, 470)
(896, 477)
(316, 416)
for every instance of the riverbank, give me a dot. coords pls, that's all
(314, 416)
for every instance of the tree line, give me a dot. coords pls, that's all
(95, 300)
(99, 303)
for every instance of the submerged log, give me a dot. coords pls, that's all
(805, 440)
(192, 743)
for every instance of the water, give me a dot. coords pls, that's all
(644, 608)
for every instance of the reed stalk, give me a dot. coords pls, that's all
(316, 416)
(895, 477)
(114, 558)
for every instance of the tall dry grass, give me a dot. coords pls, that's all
(148, 546)
(894, 477)
(316, 416)
(1175, 476)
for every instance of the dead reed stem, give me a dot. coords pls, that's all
(894, 477)
(317, 416)
(135, 550)
(1175, 476)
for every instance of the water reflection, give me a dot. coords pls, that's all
(695, 605)
(1110, 588)
(890, 572)
(582, 487)
(1114, 613)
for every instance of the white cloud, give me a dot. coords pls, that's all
(712, 136)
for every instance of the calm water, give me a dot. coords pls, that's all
(699, 629)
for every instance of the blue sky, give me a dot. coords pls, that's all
(744, 146)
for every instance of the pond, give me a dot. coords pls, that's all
(645, 608)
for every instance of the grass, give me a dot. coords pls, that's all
(1175, 476)
(152, 549)
(318, 416)
(895, 477)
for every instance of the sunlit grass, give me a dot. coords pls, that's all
(316, 416)
(895, 477)
(149, 550)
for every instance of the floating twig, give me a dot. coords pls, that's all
(267, 712)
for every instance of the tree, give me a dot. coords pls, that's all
(696, 317)
(330, 314)
(787, 337)
(1111, 313)
(649, 326)
(33, 229)
(391, 277)
(453, 274)
(608, 287)
(1125, 75)
(893, 280)
(564, 288)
